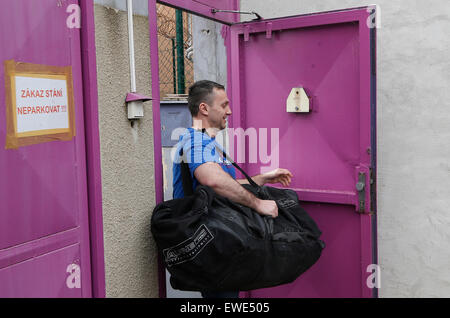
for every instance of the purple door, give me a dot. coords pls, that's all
(330, 149)
(44, 236)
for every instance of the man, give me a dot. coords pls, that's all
(210, 107)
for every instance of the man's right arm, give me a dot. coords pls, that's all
(212, 175)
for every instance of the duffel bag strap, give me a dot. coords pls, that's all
(186, 176)
(225, 157)
(250, 180)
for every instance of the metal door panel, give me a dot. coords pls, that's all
(328, 54)
(337, 273)
(43, 187)
(43, 276)
(203, 8)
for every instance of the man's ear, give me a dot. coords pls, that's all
(203, 109)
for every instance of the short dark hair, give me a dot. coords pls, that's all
(200, 92)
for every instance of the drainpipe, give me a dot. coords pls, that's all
(131, 45)
(134, 100)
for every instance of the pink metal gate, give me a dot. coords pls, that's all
(44, 219)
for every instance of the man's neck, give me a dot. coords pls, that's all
(204, 127)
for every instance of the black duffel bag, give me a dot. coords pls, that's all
(210, 243)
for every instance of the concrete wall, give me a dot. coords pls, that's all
(127, 153)
(413, 139)
(210, 59)
(140, 7)
(126, 158)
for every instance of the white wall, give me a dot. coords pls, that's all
(210, 59)
(413, 138)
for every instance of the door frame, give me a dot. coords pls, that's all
(92, 144)
(154, 61)
(367, 97)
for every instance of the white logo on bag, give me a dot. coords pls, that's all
(188, 249)
(286, 203)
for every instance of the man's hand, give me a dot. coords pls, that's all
(212, 175)
(266, 207)
(282, 176)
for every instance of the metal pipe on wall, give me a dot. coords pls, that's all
(131, 46)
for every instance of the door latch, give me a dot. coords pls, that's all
(362, 195)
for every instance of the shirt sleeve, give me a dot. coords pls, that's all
(199, 150)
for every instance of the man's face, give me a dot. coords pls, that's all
(219, 109)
